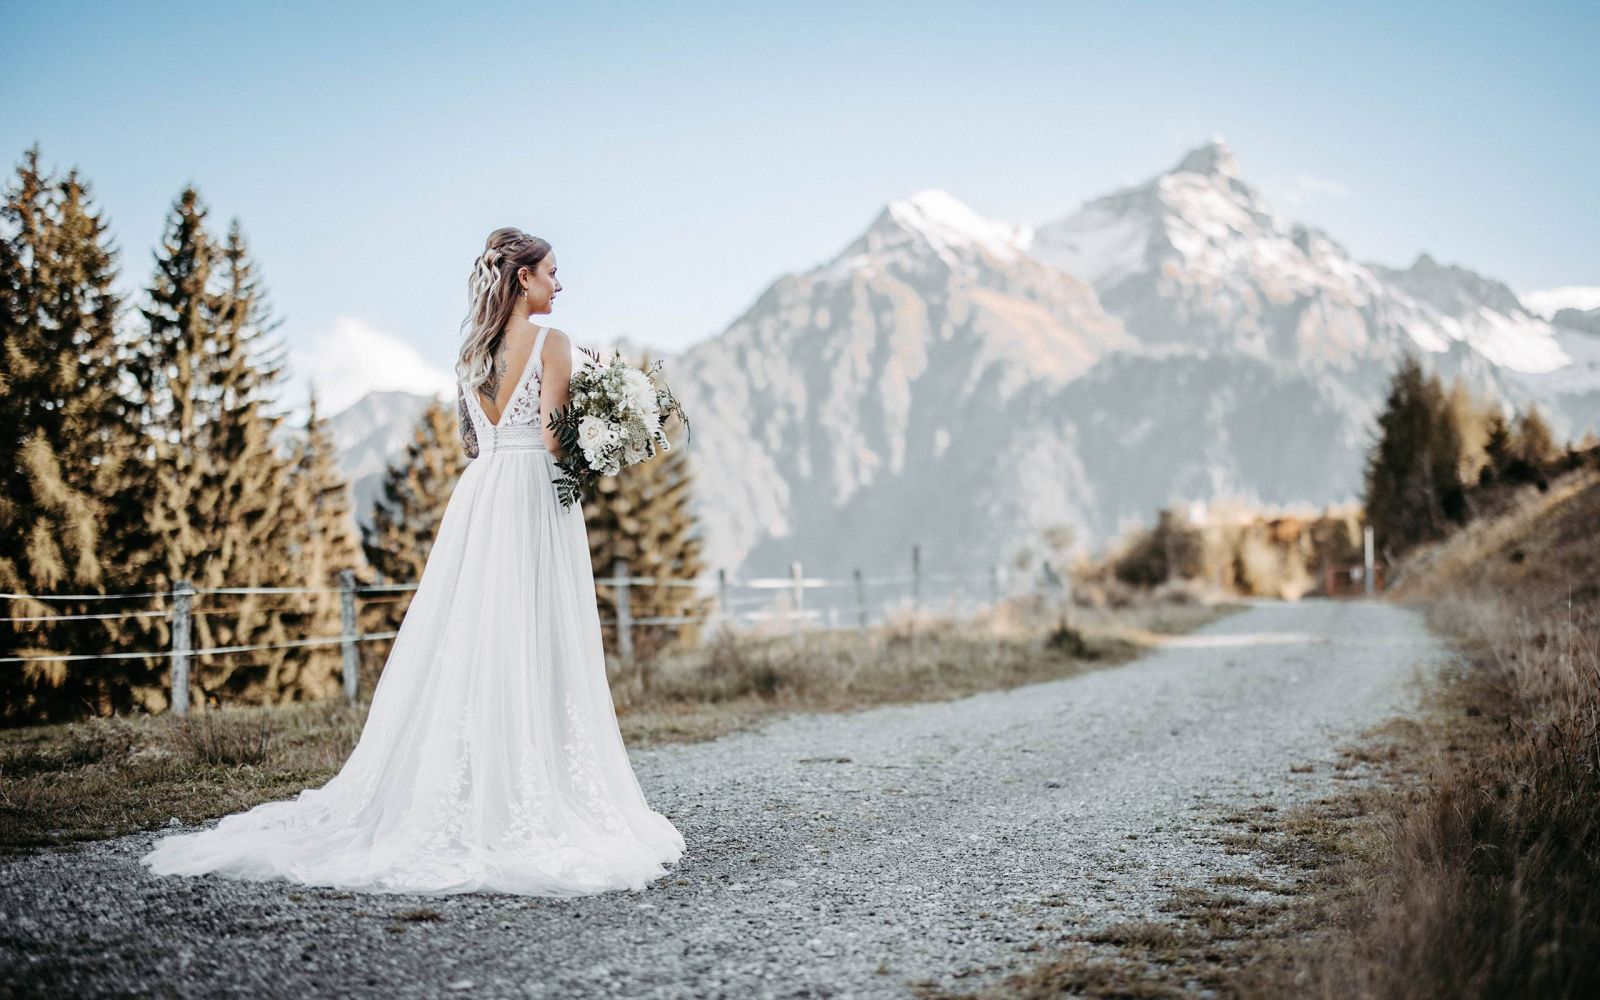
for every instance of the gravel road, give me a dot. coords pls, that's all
(829, 855)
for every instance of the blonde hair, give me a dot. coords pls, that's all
(492, 295)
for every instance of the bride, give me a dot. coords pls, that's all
(491, 758)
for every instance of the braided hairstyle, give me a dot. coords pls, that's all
(492, 295)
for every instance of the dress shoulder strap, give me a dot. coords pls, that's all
(538, 350)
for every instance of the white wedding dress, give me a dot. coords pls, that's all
(491, 759)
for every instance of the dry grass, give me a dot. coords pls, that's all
(1494, 866)
(108, 776)
(731, 683)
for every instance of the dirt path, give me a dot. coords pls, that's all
(829, 855)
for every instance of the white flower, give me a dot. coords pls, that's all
(592, 432)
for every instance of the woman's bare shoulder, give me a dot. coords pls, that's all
(557, 347)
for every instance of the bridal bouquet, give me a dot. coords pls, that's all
(613, 420)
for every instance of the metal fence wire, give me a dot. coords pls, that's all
(805, 602)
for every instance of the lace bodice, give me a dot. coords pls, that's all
(522, 410)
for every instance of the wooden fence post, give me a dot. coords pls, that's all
(1368, 560)
(723, 611)
(624, 612)
(861, 601)
(798, 593)
(916, 579)
(348, 636)
(182, 598)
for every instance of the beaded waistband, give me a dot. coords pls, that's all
(517, 437)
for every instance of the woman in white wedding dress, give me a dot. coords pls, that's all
(491, 759)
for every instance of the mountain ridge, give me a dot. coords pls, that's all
(964, 383)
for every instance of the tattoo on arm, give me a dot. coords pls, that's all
(469, 433)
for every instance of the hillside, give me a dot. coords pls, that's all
(1540, 548)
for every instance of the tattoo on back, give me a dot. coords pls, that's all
(490, 388)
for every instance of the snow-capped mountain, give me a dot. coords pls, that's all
(370, 434)
(1196, 256)
(963, 383)
(1219, 350)
(845, 386)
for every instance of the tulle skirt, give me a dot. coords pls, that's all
(491, 759)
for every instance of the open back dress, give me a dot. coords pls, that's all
(491, 758)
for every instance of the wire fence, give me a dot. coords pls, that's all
(804, 602)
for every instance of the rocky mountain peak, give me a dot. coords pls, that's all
(934, 220)
(1454, 290)
(1215, 157)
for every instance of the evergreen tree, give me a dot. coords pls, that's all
(1413, 478)
(325, 544)
(217, 495)
(171, 376)
(1497, 448)
(1534, 442)
(248, 528)
(644, 515)
(406, 516)
(63, 448)
(1473, 424)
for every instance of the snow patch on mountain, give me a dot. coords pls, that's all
(948, 223)
(1547, 302)
(1456, 304)
(932, 223)
(1102, 244)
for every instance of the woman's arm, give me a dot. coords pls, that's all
(555, 383)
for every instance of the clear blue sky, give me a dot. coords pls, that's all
(680, 156)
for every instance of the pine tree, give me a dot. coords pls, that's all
(66, 434)
(1534, 442)
(217, 494)
(1497, 448)
(325, 544)
(1447, 450)
(172, 381)
(644, 515)
(1413, 478)
(1473, 424)
(249, 530)
(406, 515)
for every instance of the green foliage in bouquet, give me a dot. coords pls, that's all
(614, 419)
